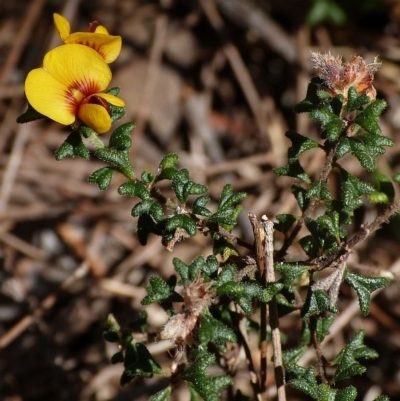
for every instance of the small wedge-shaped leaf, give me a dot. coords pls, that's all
(316, 303)
(208, 387)
(102, 177)
(329, 121)
(364, 286)
(72, 146)
(169, 161)
(382, 398)
(286, 221)
(162, 395)
(356, 101)
(300, 144)
(116, 112)
(181, 221)
(352, 189)
(188, 272)
(311, 101)
(183, 186)
(368, 118)
(346, 394)
(319, 190)
(147, 177)
(160, 291)
(293, 170)
(290, 273)
(139, 362)
(149, 206)
(199, 206)
(347, 358)
(322, 327)
(118, 159)
(214, 331)
(300, 195)
(134, 188)
(121, 138)
(229, 199)
(384, 185)
(145, 226)
(293, 355)
(29, 115)
(307, 383)
(269, 292)
(225, 217)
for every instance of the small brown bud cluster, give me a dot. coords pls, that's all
(339, 76)
(180, 328)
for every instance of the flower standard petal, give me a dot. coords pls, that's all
(62, 25)
(95, 116)
(114, 100)
(107, 46)
(78, 68)
(50, 97)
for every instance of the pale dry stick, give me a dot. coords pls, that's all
(259, 241)
(24, 34)
(22, 246)
(14, 161)
(241, 73)
(247, 14)
(344, 318)
(268, 227)
(45, 305)
(156, 52)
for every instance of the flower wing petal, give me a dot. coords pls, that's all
(107, 46)
(49, 96)
(101, 29)
(78, 68)
(114, 100)
(95, 117)
(62, 25)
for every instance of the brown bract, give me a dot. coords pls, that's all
(339, 76)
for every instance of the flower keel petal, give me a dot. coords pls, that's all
(114, 100)
(95, 117)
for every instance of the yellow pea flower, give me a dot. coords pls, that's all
(96, 37)
(69, 87)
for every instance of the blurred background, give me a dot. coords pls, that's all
(214, 81)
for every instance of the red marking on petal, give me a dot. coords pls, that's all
(94, 99)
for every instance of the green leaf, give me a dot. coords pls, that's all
(160, 291)
(229, 199)
(134, 188)
(356, 101)
(329, 121)
(382, 398)
(118, 159)
(352, 190)
(188, 272)
(148, 206)
(183, 186)
(293, 355)
(322, 327)
(121, 138)
(316, 303)
(199, 206)
(73, 146)
(300, 144)
(319, 190)
(311, 101)
(162, 395)
(145, 226)
(113, 91)
(326, 11)
(368, 118)
(286, 221)
(346, 394)
(290, 273)
(307, 383)
(300, 195)
(169, 161)
(102, 177)
(181, 221)
(346, 360)
(292, 170)
(139, 362)
(118, 357)
(29, 115)
(214, 331)
(364, 286)
(147, 177)
(208, 387)
(116, 112)
(384, 186)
